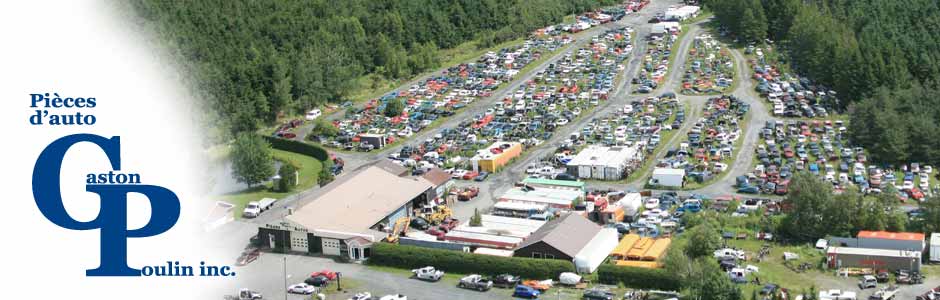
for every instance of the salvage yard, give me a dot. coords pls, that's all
(709, 68)
(561, 93)
(710, 145)
(823, 149)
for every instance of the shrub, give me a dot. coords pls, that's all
(412, 257)
(298, 147)
(637, 277)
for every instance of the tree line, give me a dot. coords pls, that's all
(874, 54)
(252, 60)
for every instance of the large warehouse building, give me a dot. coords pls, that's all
(604, 163)
(349, 215)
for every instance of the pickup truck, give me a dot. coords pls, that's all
(428, 273)
(255, 208)
(836, 295)
(475, 282)
(245, 294)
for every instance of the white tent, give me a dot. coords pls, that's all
(596, 251)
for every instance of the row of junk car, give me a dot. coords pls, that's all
(529, 115)
(442, 95)
(823, 149)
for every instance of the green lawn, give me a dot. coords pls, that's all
(309, 171)
(773, 269)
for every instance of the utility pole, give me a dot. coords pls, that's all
(285, 277)
(339, 281)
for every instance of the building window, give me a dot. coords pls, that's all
(549, 256)
(536, 255)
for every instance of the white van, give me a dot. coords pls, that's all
(313, 114)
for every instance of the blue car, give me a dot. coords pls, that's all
(525, 292)
(750, 189)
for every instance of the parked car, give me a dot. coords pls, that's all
(482, 176)
(361, 296)
(319, 280)
(867, 281)
(769, 289)
(506, 280)
(394, 297)
(596, 294)
(420, 224)
(470, 175)
(301, 288)
(313, 114)
(750, 189)
(525, 292)
(428, 273)
(330, 275)
(475, 282)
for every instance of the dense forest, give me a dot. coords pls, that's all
(882, 57)
(252, 60)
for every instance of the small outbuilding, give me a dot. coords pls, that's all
(668, 177)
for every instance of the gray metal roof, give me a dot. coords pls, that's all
(568, 233)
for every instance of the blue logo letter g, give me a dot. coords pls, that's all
(112, 217)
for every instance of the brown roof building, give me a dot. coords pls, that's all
(562, 238)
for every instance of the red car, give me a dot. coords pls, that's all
(325, 273)
(449, 224)
(471, 175)
(916, 194)
(782, 188)
(437, 232)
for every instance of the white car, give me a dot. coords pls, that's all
(459, 173)
(394, 297)
(313, 114)
(651, 203)
(428, 273)
(361, 296)
(836, 295)
(561, 122)
(532, 169)
(302, 288)
(908, 185)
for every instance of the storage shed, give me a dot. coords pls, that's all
(496, 156)
(596, 251)
(604, 163)
(668, 177)
(551, 197)
(554, 184)
(376, 140)
(935, 247)
(893, 260)
(891, 240)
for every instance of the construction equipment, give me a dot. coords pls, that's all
(435, 214)
(400, 225)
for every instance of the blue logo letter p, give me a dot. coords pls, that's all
(112, 217)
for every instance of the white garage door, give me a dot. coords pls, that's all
(330, 247)
(298, 241)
